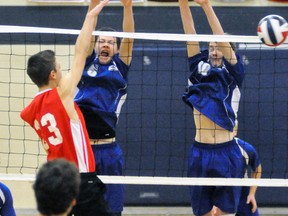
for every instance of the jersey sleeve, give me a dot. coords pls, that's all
(254, 161)
(253, 156)
(7, 204)
(237, 70)
(123, 68)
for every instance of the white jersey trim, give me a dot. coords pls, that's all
(2, 196)
(80, 146)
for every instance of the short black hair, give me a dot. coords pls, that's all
(40, 66)
(118, 40)
(233, 46)
(57, 184)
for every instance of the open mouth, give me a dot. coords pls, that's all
(104, 53)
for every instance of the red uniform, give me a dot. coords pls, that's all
(61, 136)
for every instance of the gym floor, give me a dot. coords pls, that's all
(167, 211)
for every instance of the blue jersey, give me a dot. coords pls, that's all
(215, 92)
(6, 201)
(102, 92)
(252, 162)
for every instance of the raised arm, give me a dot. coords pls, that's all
(93, 4)
(251, 197)
(188, 26)
(217, 29)
(69, 82)
(126, 46)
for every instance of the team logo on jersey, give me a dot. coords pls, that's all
(203, 68)
(113, 68)
(93, 70)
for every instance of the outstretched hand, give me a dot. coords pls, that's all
(96, 11)
(202, 2)
(95, 1)
(126, 3)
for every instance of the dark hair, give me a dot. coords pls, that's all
(118, 40)
(233, 46)
(57, 184)
(40, 66)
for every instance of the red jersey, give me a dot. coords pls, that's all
(61, 136)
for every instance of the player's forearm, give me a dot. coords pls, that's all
(81, 50)
(253, 190)
(83, 41)
(126, 46)
(128, 19)
(93, 4)
(217, 29)
(188, 27)
(256, 175)
(85, 36)
(186, 17)
(213, 20)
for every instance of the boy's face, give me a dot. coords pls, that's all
(105, 48)
(215, 55)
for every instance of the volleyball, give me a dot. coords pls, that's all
(272, 30)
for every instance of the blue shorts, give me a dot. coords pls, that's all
(109, 161)
(215, 161)
(244, 209)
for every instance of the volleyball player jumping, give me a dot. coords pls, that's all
(102, 92)
(58, 121)
(213, 94)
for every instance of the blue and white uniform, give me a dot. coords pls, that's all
(102, 92)
(6, 201)
(252, 162)
(215, 92)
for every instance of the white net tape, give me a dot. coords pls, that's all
(177, 181)
(146, 36)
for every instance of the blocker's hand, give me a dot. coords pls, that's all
(126, 3)
(202, 2)
(95, 11)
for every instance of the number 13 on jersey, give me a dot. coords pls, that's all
(50, 121)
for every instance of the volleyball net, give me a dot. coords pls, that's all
(155, 128)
